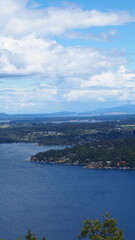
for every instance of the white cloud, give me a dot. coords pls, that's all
(32, 55)
(73, 72)
(100, 95)
(19, 20)
(119, 78)
(13, 98)
(116, 85)
(76, 73)
(103, 36)
(24, 50)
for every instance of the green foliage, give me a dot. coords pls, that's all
(67, 133)
(101, 230)
(32, 236)
(119, 153)
(106, 229)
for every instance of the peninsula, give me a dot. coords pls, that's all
(95, 142)
(115, 154)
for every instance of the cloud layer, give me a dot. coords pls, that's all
(19, 20)
(29, 50)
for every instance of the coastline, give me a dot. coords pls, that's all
(84, 166)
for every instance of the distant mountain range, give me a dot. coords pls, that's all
(125, 109)
(3, 115)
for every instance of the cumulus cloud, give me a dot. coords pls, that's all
(31, 55)
(72, 71)
(100, 95)
(29, 49)
(115, 79)
(116, 85)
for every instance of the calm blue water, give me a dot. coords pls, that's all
(53, 199)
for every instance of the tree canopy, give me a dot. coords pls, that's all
(106, 229)
(32, 236)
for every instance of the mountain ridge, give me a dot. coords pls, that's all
(124, 109)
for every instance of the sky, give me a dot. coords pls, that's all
(66, 55)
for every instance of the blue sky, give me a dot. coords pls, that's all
(66, 55)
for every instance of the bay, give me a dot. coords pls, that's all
(54, 199)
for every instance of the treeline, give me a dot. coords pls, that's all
(66, 133)
(97, 229)
(114, 153)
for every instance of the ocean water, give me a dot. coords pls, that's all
(54, 199)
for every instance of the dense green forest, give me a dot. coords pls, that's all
(99, 154)
(66, 133)
(96, 144)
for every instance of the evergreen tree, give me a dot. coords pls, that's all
(101, 230)
(31, 236)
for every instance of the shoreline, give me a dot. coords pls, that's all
(83, 166)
